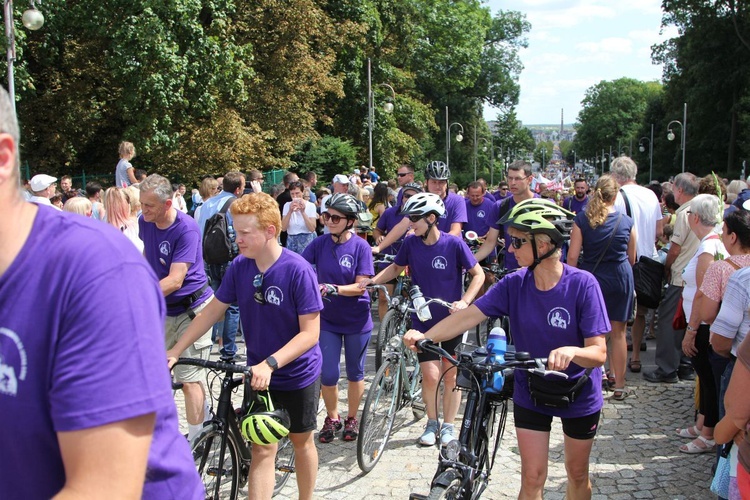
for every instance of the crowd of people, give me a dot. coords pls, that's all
(291, 286)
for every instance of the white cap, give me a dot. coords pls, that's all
(341, 179)
(746, 204)
(40, 182)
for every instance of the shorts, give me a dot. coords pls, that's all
(174, 328)
(573, 427)
(302, 405)
(448, 345)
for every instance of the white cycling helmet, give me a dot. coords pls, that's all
(424, 204)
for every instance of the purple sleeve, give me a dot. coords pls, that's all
(227, 292)
(592, 312)
(381, 224)
(305, 291)
(466, 258)
(494, 215)
(364, 261)
(495, 302)
(186, 248)
(459, 213)
(402, 257)
(309, 252)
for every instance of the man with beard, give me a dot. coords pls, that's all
(578, 202)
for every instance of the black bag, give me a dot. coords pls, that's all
(556, 393)
(648, 275)
(218, 246)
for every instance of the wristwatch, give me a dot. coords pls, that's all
(271, 361)
(690, 329)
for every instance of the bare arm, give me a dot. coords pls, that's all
(456, 229)
(592, 354)
(108, 461)
(173, 281)
(287, 216)
(393, 235)
(209, 315)
(737, 405)
(477, 280)
(488, 245)
(574, 248)
(447, 328)
(674, 251)
(389, 273)
(632, 245)
(131, 175)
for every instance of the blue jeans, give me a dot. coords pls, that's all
(226, 328)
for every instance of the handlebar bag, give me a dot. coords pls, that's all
(555, 393)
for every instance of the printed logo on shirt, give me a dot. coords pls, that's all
(346, 261)
(439, 262)
(274, 295)
(13, 362)
(480, 214)
(164, 248)
(559, 317)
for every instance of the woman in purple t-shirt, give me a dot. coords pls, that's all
(436, 261)
(557, 312)
(342, 260)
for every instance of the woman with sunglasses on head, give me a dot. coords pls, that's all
(341, 261)
(556, 312)
(436, 261)
(280, 305)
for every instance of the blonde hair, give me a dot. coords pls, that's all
(603, 197)
(117, 206)
(208, 188)
(79, 205)
(262, 206)
(134, 194)
(127, 149)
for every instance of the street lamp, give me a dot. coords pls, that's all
(459, 138)
(492, 158)
(544, 152)
(642, 149)
(683, 137)
(387, 107)
(33, 20)
(609, 159)
(624, 147)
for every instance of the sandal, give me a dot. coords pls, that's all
(691, 448)
(621, 393)
(634, 365)
(689, 432)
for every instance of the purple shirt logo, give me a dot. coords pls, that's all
(559, 317)
(439, 262)
(164, 248)
(8, 378)
(346, 261)
(274, 295)
(480, 214)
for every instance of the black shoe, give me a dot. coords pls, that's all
(686, 372)
(643, 346)
(659, 376)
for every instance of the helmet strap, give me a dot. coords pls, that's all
(430, 225)
(337, 236)
(537, 258)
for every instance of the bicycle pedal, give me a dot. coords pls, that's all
(419, 405)
(285, 469)
(417, 496)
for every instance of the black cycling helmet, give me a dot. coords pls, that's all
(346, 204)
(412, 186)
(437, 170)
(263, 424)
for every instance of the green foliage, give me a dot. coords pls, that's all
(326, 157)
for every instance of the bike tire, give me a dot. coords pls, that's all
(219, 472)
(388, 329)
(284, 464)
(378, 415)
(450, 492)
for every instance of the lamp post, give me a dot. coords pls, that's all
(459, 137)
(624, 147)
(387, 107)
(641, 148)
(492, 158)
(33, 20)
(683, 137)
(609, 159)
(544, 152)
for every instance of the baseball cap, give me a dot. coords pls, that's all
(341, 179)
(41, 182)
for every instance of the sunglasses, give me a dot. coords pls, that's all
(518, 242)
(333, 218)
(403, 175)
(415, 218)
(407, 196)
(259, 296)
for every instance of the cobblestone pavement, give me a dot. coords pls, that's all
(635, 454)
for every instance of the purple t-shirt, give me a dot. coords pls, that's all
(437, 269)
(575, 205)
(387, 221)
(489, 196)
(340, 265)
(455, 211)
(501, 208)
(291, 290)
(545, 320)
(81, 346)
(479, 216)
(180, 242)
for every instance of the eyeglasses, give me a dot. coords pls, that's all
(403, 174)
(415, 218)
(518, 242)
(259, 296)
(518, 179)
(503, 189)
(333, 218)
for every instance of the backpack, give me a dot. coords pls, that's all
(218, 244)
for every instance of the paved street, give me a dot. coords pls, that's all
(635, 454)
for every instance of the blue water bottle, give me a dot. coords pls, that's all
(497, 343)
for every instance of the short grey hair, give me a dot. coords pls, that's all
(708, 208)
(159, 185)
(623, 169)
(687, 182)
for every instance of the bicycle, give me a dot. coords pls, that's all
(482, 329)
(397, 384)
(221, 454)
(465, 464)
(397, 319)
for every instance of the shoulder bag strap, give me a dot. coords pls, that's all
(627, 202)
(609, 243)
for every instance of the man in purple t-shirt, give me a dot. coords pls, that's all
(172, 245)
(86, 407)
(273, 286)
(578, 202)
(479, 211)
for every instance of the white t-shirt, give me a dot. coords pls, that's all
(646, 212)
(296, 221)
(710, 244)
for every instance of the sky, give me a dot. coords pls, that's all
(575, 44)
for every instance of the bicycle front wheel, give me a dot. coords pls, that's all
(378, 414)
(216, 456)
(284, 464)
(388, 329)
(450, 492)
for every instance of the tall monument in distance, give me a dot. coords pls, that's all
(561, 121)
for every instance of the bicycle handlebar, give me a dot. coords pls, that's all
(215, 365)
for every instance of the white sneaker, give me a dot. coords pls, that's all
(446, 434)
(429, 436)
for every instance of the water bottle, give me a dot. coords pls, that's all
(417, 300)
(497, 343)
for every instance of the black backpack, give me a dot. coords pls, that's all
(218, 244)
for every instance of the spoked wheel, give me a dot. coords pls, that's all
(284, 464)
(388, 329)
(217, 463)
(378, 415)
(451, 492)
